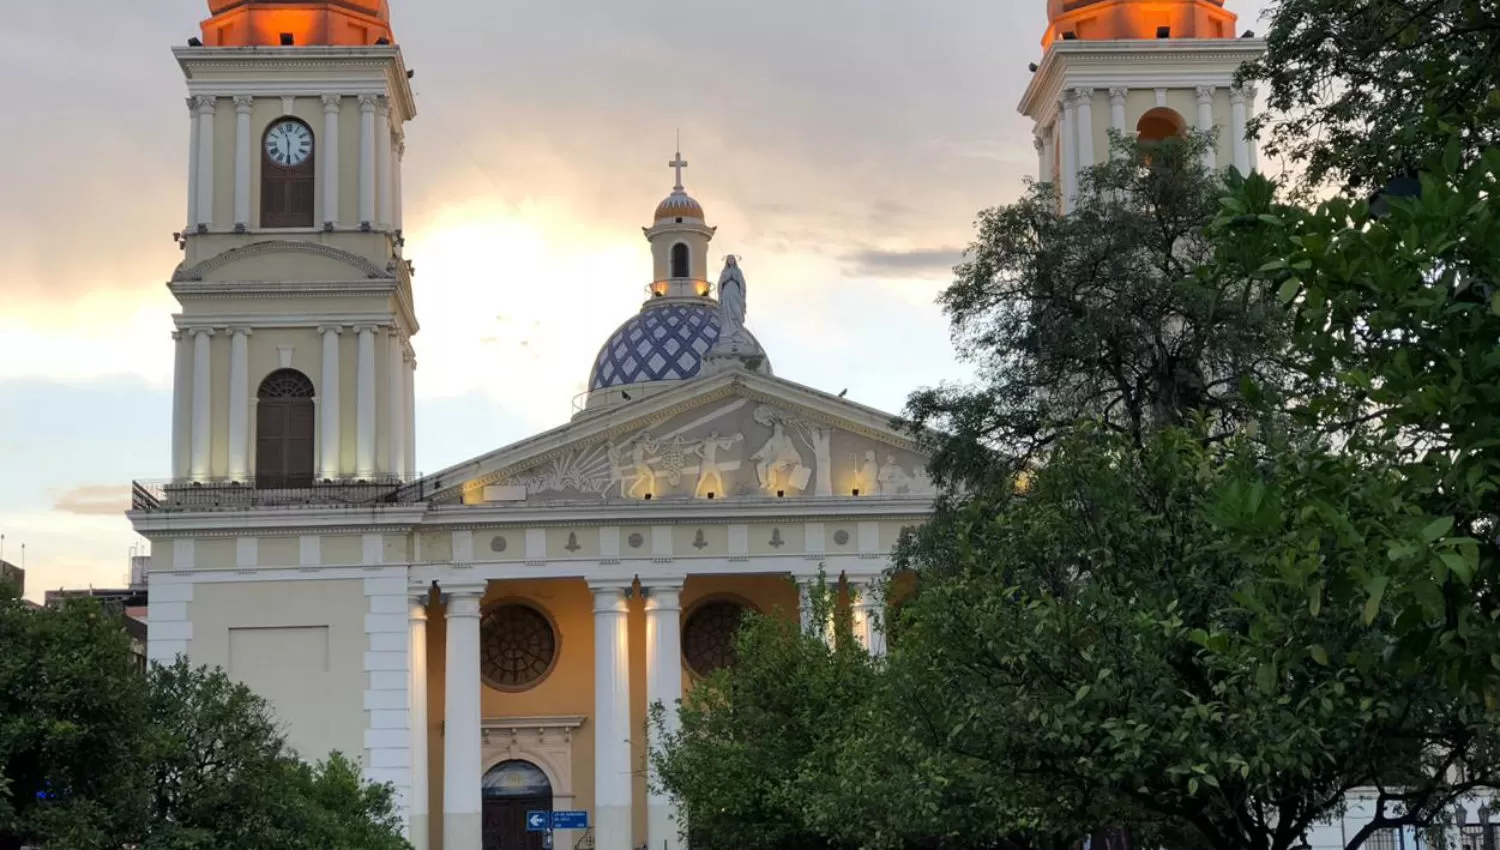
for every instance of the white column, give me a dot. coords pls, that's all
(1206, 124)
(180, 426)
(364, 437)
(462, 767)
(192, 216)
(330, 164)
(410, 373)
(613, 776)
(1069, 154)
(1117, 109)
(868, 609)
(395, 384)
(202, 401)
(1085, 128)
(664, 686)
(1049, 154)
(367, 103)
(205, 107)
(242, 107)
(383, 144)
(396, 161)
(805, 586)
(239, 403)
(1239, 126)
(417, 711)
(331, 463)
(1041, 156)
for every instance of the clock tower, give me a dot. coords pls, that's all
(294, 360)
(1149, 68)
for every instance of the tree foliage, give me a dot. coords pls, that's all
(97, 755)
(1121, 310)
(1361, 93)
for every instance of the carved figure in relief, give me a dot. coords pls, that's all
(779, 464)
(710, 476)
(868, 474)
(892, 478)
(645, 476)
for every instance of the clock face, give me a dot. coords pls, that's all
(289, 144)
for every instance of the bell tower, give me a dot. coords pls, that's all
(1152, 68)
(294, 359)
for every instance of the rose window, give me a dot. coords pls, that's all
(517, 646)
(708, 636)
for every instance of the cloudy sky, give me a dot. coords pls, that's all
(842, 147)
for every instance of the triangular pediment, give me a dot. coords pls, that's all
(734, 435)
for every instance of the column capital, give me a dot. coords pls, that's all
(1242, 94)
(463, 587)
(1038, 142)
(332, 103)
(1067, 102)
(369, 102)
(203, 331)
(240, 330)
(333, 329)
(359, 329)
(203, 104)
(663, 596)
(1117, 95)
(609, 597)
(1205, 94)
(243, 103)
(1083, 93)
(178, 336)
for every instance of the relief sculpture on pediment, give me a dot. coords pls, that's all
(741, 448)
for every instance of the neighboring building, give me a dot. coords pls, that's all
(14, 574)
(128, 602)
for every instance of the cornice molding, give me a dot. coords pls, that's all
(283, 246)
(1138, 64)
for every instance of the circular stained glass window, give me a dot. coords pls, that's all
(517, 646)
(708, 635)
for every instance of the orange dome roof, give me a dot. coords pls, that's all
(1110, 20)
(269, 23)
(679, 205)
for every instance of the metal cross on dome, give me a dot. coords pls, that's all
(678, 164)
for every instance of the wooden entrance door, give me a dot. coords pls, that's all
(505, 823)
(511, 789)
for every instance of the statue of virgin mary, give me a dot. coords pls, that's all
(731, 301)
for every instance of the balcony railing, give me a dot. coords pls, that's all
(192, 496)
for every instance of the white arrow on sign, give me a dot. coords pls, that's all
(536, 819)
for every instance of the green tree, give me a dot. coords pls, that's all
(96, 755)
(1147, 639)
(1124, 310)
(1361, 93)
(1398, 327)
(72, 710)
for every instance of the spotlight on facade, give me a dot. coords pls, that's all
(1069, 35)
(195, 42)
(288, 40)
(1163, 32)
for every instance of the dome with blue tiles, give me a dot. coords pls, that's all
(664, 342)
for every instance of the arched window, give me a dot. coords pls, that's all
(286, 175)
(1159, 124)
(680, 265)
(284, 423)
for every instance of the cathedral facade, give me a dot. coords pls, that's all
(488, 638)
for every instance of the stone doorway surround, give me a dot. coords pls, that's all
(546, 742)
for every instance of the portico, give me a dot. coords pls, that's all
(650, 636)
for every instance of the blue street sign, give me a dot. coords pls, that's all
(570, 820)
(537, 822)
